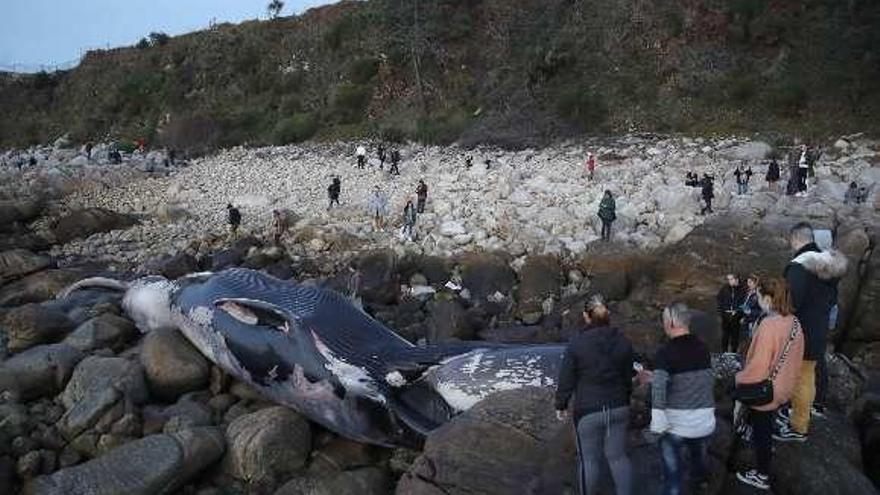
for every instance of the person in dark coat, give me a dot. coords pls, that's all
(395, 161)
(422, 195)
(607, 214)
(812, 276)
(382, 155)
(751, 309)
(234, 218)
(772, 176)
(743, 177)
(707, 186)
(730, 300)
(597, 369)
(333, 191)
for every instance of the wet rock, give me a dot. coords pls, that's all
(447, 320)
(154, 464)
(104, 331)
(173, 266)
(18, 211)
(17, 263)
(33, 324)
(267, 447)
(510, 442)
(186, 413)
(40, 371)
(98, 384)
(378, 279)
(38, 287)
(483, 275)
(540, 278)
(172, 365)
(341, 454)
(83, 223)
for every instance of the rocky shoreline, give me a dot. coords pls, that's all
(83, 394)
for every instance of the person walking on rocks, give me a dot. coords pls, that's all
(378, 205)
(422, 195)
(607, 214)
(395, 161)
(333, 191)
(361, 153)
(812, 277)
(707, 187)
(729, 301)
(409, 220)
(89, 150)
(772, 176)
(597, 370)
(382, 155)
(279, 226)
(234, 217)
(742, 179)
(776, 354)
(803, 169)
(590, 165)
(751, 309)
(682, 401)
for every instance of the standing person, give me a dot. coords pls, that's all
(468, 162)
(811, 277)
(422, 195)
(591, 165)
(682, 401)
(803, 167)
(607, 214)
(395, 161)
(730, 300)
(378, 204)
(382, 155)
(751, 308)
(409, 220)
(333, 191)
(597, 368)
(172, 156)
(708, 192)
(852, 194)
(234, 218)
(279, 226)
(776, 353)
(772, 176)
(741, 185)
(361, 153)
(89, 146)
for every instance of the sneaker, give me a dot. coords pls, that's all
(784, 413)
(754, 478)
(818, 411)
(789, 435)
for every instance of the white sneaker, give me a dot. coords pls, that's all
(754, 478)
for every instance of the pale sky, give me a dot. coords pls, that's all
(34, 33)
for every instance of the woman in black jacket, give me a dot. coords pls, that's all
(598, 369)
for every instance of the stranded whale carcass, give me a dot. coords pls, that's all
(312, 350)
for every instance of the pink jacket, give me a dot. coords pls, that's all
(764, 351)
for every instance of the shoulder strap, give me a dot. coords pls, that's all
(795, 328)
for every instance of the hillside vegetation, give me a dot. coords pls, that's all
(507, 72)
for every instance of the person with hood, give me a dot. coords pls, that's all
(772, 176)
(852, 194)
(729, 301)
(708, 192)
(597, 369)
(607, 214)
(775, 353)
(422, 195)
(812, 277)
(682, 401)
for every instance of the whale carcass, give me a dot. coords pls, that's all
(311, 349)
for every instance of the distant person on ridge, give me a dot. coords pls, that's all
(382, 155)
(708, 192)
(607, 214)
(395, 161)
(377, 206)
(772, 176)
(409, 220)
(422, 195)
(234, 217)
(333, 191)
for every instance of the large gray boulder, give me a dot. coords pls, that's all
(156, 464)
(83, 223)
(104, 331)
(510, 442)
(752, 151)
(33, 324)
(17, 263)
(12, 211)
(267, 447)
(363, 481)
(38, 287)
(173, 366)
(539, 279)
(484, 274)
(41, 371)
(447, 320)
(379, 282)
(97, 384)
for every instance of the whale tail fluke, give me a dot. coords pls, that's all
(94, 282)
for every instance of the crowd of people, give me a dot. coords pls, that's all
(785, 322)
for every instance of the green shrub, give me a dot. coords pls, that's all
(788, 97)
(350, 101)
(582, 105)
(159, 39)
(442, 128)
(295, 129)
(363, 70)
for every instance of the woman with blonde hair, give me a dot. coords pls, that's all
(772, 364)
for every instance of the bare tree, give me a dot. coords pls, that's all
(274, 8)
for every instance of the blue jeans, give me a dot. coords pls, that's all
(601, 434)
(672, 449)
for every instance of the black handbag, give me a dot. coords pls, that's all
(761, 393)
